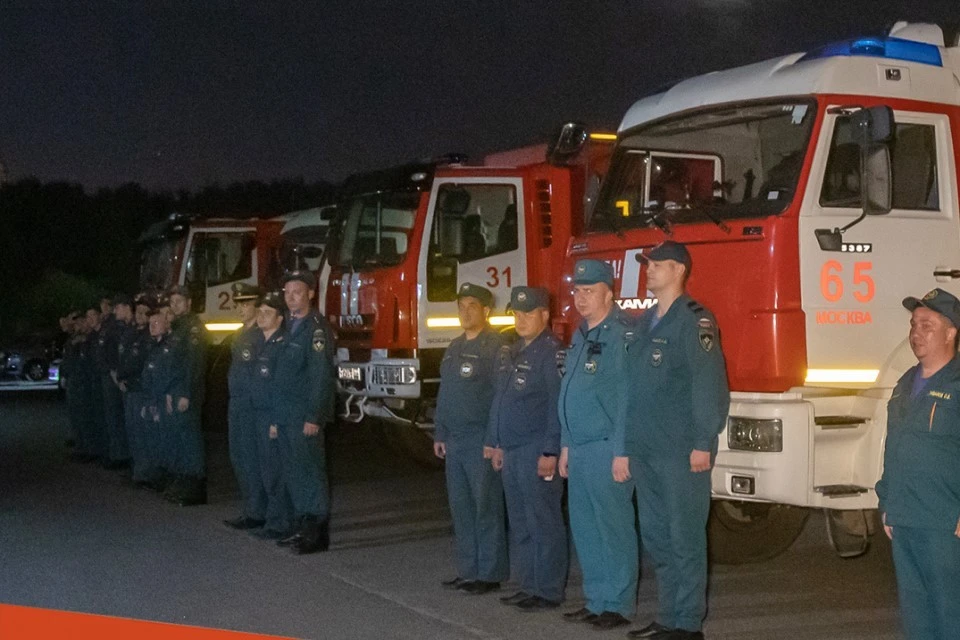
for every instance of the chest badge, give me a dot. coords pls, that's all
(466, 369)
(264, 370)
(520, 382)
(590, 366)
(246, 355)
(151, 365)
(656, 357)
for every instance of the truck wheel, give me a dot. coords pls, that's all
(35, 371)
(417, 443)
(743, 532)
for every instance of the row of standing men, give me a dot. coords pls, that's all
(630, 415)
(135, 376)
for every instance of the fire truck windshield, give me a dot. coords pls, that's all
(713, 165)
(157, 263)
(375, 229)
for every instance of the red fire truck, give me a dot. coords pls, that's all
(408, 237)
(815, 191)
(210, 254)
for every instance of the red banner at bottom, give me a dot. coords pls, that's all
(21, 623)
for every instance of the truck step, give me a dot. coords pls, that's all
(839, 422)
(840, 490)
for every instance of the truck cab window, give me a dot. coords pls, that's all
(913, 158)
(216, 259)
(471, 222)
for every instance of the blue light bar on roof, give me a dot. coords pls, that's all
(890, 48)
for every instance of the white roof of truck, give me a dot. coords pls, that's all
(855, 67)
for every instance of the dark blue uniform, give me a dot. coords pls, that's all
(920, 496)
(106, 356)
(91, 368)
(475, 491)
(304, 390)
(163, 377)
(678, 402)
(278, 513)
(592, 392)
(189, 336)
(241, 420)
(524, 423)
(133, 351)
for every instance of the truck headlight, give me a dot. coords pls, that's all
(755, 434)
(352, 374)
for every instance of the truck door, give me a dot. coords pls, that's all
(474, 233)
(852, 298)
(217, 258)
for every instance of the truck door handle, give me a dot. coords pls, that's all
(947, 273)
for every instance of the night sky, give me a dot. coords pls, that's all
(183, 94)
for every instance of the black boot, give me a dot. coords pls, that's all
(295, 535)
(314, 536)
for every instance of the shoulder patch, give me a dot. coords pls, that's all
(707, 333)
(319, 340)
(561, 361)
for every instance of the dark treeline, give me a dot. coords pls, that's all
(60, 245)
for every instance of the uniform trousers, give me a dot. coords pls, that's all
(538, 535)
(673, 505)
(475, 494)
(304, 463)
(117, 447)
(603, 527)
(927, 564)
(137, 435)
(279, 509)
(244, 456)
(190, 457)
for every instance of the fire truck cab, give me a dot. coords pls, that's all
(209, 256)
(408, 237)
(814, 191)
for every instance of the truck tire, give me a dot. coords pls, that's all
(744, 532)
(35, 370)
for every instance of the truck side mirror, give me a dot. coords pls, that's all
(875, 129)
(567, 143)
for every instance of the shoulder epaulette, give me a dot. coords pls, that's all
(695, 306)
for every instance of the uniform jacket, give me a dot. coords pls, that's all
(243, 362)
(594, 384)
(524, 409)
(189, 337)
(467, 384)
(164, 373)
(679, 398)
(305, 374)
(263, 393)
(133, 351)
(920, 486)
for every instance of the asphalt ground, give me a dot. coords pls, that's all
(80, 538)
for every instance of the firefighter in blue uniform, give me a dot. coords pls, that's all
(190, 339)
(241, 420)
(305, 388)
(525, 436)
(74, 370)
(162, 377)
(264, 398)
(475, 491)
(677, 407)
(920, 489)
(113, 335)
(595, 451)
(133, 350)
(92, 369)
